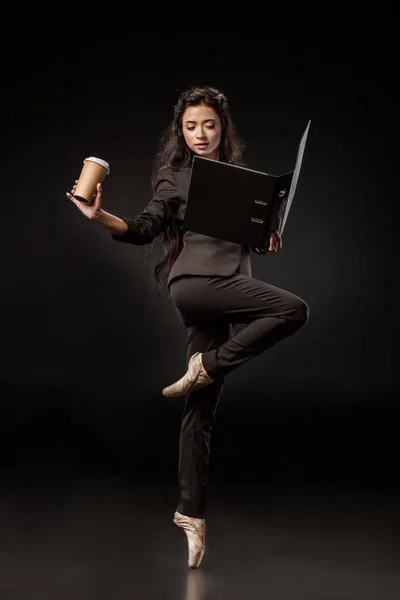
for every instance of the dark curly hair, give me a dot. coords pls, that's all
(174, 153)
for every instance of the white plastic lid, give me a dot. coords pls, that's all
(100, 161)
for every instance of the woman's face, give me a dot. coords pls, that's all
(202, 130)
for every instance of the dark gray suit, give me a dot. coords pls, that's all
(201, 254)
(212, 288)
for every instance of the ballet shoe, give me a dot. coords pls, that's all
(196, 540)
(191, 381)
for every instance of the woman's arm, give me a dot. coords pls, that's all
(153, 219)
(147, 224)
(115, 224)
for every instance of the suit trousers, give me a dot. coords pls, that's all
(209, 307)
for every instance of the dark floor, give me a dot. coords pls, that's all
(83, 532)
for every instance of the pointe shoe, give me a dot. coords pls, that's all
(196, 540)
(191, 381)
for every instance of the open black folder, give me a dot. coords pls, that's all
(238, 204)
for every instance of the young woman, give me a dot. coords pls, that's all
(210, 284)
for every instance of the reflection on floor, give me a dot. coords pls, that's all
(78, 532)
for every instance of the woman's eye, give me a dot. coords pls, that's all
(207, 127)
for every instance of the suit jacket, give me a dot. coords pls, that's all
(201, 254)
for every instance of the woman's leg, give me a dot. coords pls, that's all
(198, 421)
(208, 306)
(271, 314)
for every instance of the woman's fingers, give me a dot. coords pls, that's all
(275, 242)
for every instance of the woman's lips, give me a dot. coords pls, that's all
(201, 145)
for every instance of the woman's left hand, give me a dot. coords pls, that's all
(275, 242)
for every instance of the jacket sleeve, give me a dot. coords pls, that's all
(157, 214)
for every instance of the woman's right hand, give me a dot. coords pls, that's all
(92, 210)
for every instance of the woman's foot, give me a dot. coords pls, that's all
(195, 529)
(195, 378)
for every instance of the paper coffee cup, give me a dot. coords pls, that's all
(93, 172)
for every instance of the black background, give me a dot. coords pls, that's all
(88, 345)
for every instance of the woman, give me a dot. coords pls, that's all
(210, 284)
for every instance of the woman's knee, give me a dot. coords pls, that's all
(300, 312)
(303, 312)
